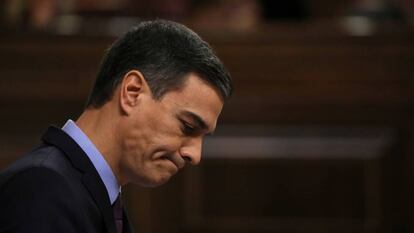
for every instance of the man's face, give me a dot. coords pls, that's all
(160, 136)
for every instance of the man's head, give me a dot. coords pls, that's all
(161, 88)
(164, 52)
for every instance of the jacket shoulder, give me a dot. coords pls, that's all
(44, 157)
(43, 191)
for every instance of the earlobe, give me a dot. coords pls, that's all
(132, 86)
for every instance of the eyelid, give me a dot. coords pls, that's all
(193, 127)
(186, 123)
(188, 128)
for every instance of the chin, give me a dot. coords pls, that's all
(155, 181)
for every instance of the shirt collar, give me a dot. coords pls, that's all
(96, 158)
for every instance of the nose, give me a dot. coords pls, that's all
(191, 151)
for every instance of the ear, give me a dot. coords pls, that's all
(133, 85)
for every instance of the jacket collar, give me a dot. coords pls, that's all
(90, 177)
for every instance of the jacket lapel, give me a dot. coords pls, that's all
(90, 178)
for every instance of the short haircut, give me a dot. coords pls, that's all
(164, 52)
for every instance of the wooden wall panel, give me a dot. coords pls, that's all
(326, 185)
(321, 85)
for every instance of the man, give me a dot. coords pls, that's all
(159, 90)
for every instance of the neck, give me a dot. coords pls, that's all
(100, 127)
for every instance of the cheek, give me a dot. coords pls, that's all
(145, 139)
(164, 134)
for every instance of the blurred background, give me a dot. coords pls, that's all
(317, 138)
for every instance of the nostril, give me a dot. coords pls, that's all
(187, 159)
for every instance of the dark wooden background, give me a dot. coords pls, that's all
(317, 138)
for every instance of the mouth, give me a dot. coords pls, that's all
(178, 164)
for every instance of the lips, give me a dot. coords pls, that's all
(180, 163)
(176, 160)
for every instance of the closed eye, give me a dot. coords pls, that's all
(187, 128)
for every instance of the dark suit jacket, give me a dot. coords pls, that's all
(55, 189)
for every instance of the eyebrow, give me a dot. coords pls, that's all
(198, 120)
